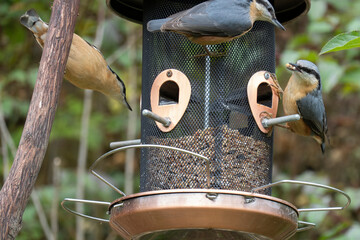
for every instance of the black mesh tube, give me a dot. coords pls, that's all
(218, 122)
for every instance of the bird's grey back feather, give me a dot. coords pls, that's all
(206, 19)
(312, 110)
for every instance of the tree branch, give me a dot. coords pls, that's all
(16, 190)
(85, 122)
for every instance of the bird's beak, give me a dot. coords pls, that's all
(278, 24)
(292, 67)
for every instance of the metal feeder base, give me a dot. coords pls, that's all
(202, 214)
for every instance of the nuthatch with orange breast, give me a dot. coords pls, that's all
(217, 21)
(303, 96)
(86, 67)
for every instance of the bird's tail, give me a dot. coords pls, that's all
(322, 147)
(325, 139)
(155, 25)
(33, 22)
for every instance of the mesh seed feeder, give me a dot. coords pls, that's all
(206, 140)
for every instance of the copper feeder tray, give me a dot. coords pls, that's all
(202, 214)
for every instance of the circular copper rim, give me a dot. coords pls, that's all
(146, 213)
(233, 192)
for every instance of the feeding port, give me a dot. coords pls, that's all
(206, 155)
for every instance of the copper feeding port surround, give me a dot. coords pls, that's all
(170, 96)
(263, 98)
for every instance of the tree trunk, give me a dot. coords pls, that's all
(16, 190)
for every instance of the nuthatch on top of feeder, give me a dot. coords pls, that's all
(303, 96)
(217, 21)
(86, 67)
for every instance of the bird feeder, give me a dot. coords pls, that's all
(206, 157)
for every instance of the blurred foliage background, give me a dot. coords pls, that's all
(120, 41)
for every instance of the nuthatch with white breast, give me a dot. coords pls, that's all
(86, 67)
(217, 21)
(303, 96)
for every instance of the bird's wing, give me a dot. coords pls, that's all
(219, 18)
(312, 109)
(194, 21)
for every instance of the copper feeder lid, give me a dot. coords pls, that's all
(286, 10)
(202, 214)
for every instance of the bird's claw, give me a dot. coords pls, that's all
(276, 86)
(265, 114)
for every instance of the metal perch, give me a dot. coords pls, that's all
(164, 121)
(268, 122)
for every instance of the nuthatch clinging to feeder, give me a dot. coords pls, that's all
(303, 96)
(86, 67)
(217, 21)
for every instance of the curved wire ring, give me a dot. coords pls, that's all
(309, 225)
(313, 185)
(85, 201)
(146, 146)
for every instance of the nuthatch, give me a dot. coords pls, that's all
(303, 96)
(86, 67)
(217, 21)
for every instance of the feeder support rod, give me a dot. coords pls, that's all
(268, 122)
(164, 121)
(125, 143)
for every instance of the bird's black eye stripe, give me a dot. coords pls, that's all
(311, 71)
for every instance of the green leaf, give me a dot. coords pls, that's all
(342, 41)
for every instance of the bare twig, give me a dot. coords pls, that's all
(83, 148)
(5, 156)
(6, 134)
(132, 118)
(82, 156)
(55, 201)
(41, 214)
(6, 140)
